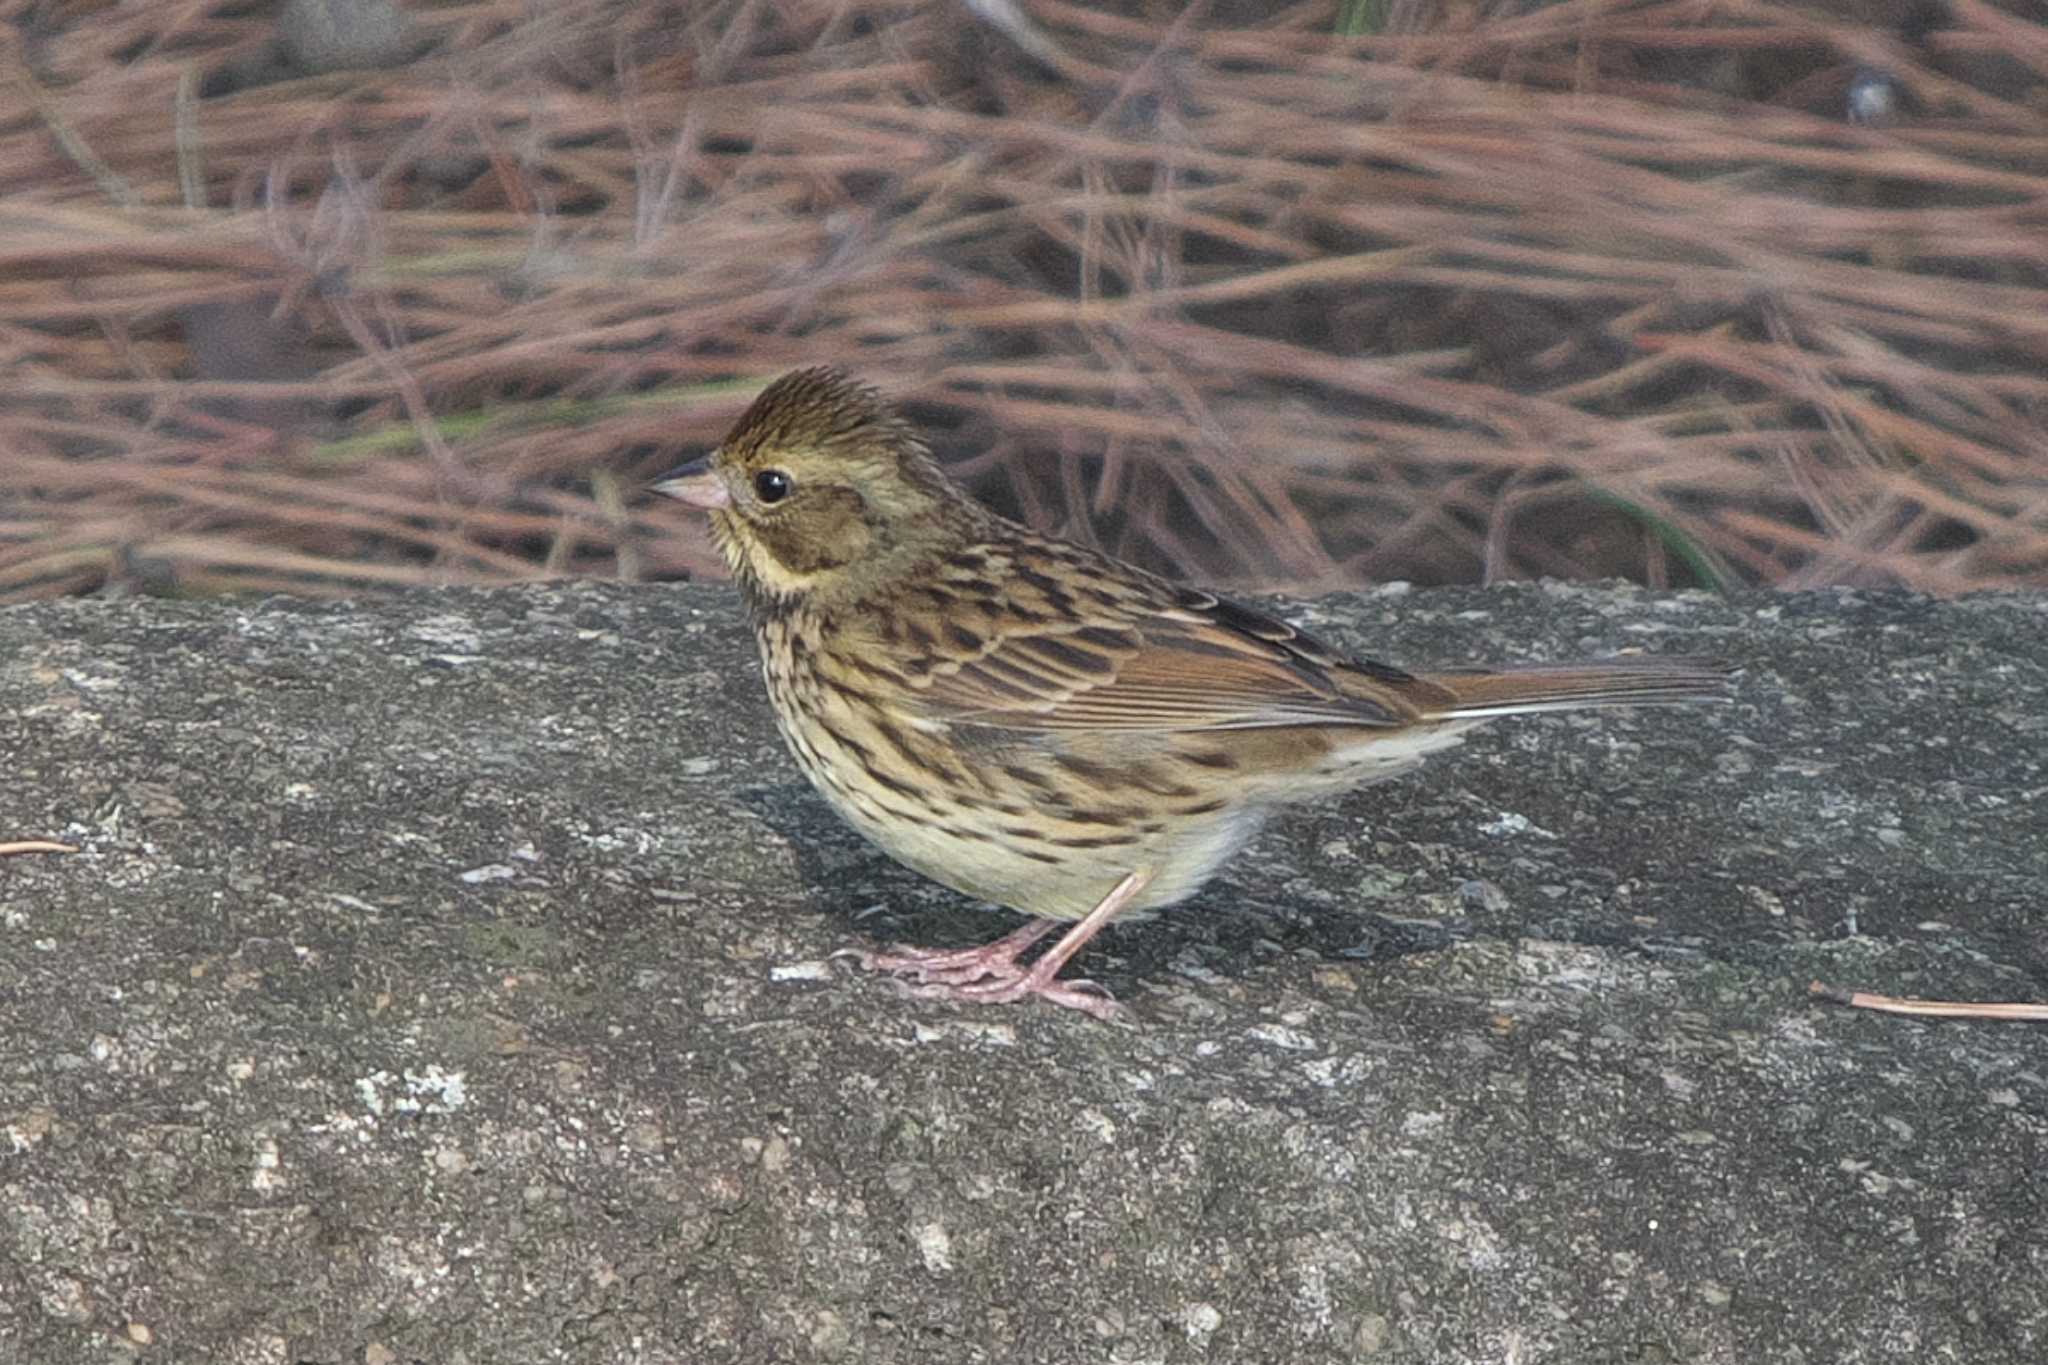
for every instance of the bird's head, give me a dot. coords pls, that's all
(820, 488)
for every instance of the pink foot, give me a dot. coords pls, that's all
(959, 966)
(992, 975)
(1085, 996)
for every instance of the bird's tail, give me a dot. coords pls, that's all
(1646, 681)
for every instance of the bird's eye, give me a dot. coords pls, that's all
(771, 485)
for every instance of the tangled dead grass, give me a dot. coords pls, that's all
(1596, 287)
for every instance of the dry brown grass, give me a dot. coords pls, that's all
(1603, 287)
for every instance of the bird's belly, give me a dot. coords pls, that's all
(1044, 872)
(1015, 830)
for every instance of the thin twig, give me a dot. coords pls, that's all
(111, 182)
(1937, 1009)
(35, 846)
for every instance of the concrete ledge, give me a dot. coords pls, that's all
(446, 979)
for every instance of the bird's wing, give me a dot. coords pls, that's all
(1153, 660)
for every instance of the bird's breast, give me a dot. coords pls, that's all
(1019, 820)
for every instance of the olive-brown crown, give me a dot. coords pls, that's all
(830, 488)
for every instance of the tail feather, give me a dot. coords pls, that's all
(1647, 681)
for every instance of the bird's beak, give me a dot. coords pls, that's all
(695, 483)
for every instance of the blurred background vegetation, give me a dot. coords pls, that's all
(322, 297)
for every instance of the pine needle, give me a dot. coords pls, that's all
(1936, 1009)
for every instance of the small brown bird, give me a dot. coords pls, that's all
(1036, 724)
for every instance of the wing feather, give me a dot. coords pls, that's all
(1180, 665)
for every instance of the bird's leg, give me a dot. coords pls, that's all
(959, 966)
(1015, 982)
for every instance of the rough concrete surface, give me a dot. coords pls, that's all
(449, 979)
